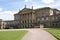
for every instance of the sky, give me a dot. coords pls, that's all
(10, 7)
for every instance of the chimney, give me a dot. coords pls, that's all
(25, 5)
(32, 7)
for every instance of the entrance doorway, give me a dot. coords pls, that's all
(41, 25)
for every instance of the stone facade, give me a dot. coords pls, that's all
(35, 18)
(26, 18)
(10, 24)
(31, 18)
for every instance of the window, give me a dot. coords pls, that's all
(57, 12)
(56, 18)
(42, 18)
(38, 19)
(46, 18)
(17, 21)
(29, 21)
(21, 21)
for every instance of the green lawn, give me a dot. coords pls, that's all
(12, 35)
(55, 32)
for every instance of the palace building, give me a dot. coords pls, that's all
(35, 18)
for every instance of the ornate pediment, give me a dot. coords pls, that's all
(25, 10)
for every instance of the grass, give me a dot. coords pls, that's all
(12, 35)
(55, 32)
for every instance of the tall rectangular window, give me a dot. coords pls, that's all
(42, 18)
(56, 18)
(46, 18)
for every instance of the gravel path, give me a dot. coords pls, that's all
(38, 34)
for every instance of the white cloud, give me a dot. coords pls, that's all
(28, 0)
(35, 5)
(1, 9)
(10, 12)
(48, 1)
(52, 5)
(7, 15)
